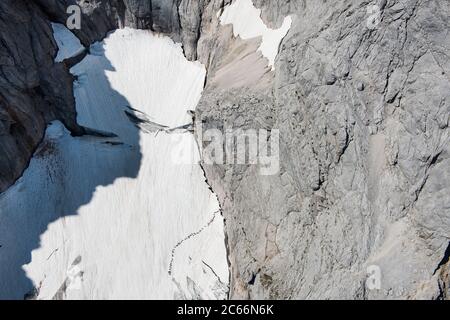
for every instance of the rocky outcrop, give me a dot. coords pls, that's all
(183, 20)
(363, 113)
(360, 96)
(33, 89)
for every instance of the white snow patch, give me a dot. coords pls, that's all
(247, 23)
(115, 212)
(69, 45)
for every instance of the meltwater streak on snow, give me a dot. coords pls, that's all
(69, 45)
(247, 24)
(119, 206)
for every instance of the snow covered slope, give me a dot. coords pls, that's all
(247, 24)
(69, 45)
(118, 217)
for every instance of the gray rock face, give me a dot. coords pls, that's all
(362, 104)
(363, 115)
(33, 90)
(181, 19)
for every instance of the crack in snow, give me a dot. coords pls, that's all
(119, 200)
(190, 236)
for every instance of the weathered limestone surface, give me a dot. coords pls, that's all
(364, 148)
(33, 89)
(363, 115)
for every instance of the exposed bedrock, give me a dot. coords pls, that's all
(363, 113)
(181, 19)
(33, 89)
(364, 185)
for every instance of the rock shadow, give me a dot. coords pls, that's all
(66, 171)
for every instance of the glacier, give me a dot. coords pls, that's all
(118, 214)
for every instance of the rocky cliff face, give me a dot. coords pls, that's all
(33, 89)
(363, 115)
(182, 19)
(362, 106)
